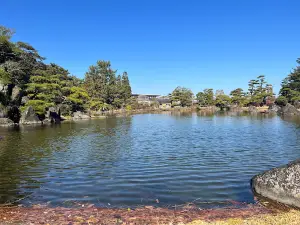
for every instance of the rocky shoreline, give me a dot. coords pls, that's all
(29, 117)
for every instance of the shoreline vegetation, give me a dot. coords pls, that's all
(33, 92)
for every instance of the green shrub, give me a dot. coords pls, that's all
(128, 108)
(281, 101)
(39, 106)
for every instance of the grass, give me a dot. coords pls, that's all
(288, 218)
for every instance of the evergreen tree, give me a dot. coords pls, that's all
(290, 86)
(238, 97)
(206, 98)
(183, 96)
(126, 88)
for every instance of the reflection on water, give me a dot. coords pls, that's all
(128, 161)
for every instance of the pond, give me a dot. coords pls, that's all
(148, 159)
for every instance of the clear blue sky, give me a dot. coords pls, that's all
(198, 44)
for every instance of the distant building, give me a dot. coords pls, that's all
(145, 99)
(164, 102)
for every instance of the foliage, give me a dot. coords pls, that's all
(205, 98)
(128, 108)
(99, 106)
(39, 106)
(281, 101)
(238, 97)
(47, 85)
(259, 91)
(183, 96)
(223, 101)
(290, 86)
(104, 86)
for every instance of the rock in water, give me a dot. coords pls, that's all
(6, 122)
(289, 110)
(29, 116)
(274, 108)
(80, 115)
(281, 184)
(14, 113)
(53, 114)
(252, 109)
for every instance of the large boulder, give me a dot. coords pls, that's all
(65, 109)
(53, 114)
(6, 122)
(80, 115)
(3, 111)
(3, 88)
(252, 109)
(24, 100)
(289, 110)
(29, 116)
(16, 94)
(297, 104)
(13, 113)
(273, 108)
(281, 184)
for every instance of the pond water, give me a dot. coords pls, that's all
(148, 159)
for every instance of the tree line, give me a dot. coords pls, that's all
(26, 80)
(259, 93)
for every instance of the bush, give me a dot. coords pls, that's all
(281, 101)
(128, 108)
(39, 106)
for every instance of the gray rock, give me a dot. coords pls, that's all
(65, 109)
(16, 93)
(6, 122)
(252, 109)
(29, 116)
(281, 184)
(3, 112)
(289, 110)
(297, 104)
(53, 114)
(3, 88)
(24, 100)
(274, 108)
(80, 115)
(13, 113)
(234, 108)
(47, 121)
